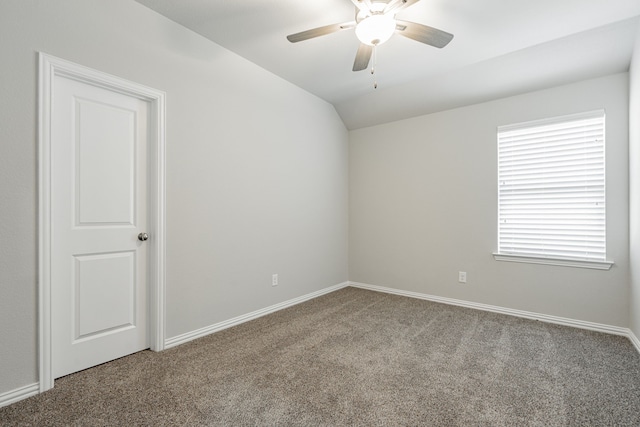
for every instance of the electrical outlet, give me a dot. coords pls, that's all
(462, 276)
(274, 280)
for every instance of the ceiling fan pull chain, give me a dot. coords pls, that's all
(375, 64)
(375, 59)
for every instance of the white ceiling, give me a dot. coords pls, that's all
(500, 48)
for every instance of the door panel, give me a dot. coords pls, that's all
(100, 312)
(98, 207)
(105, 163)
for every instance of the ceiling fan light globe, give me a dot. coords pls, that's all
(375, 30)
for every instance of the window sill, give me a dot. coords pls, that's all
(597, 265)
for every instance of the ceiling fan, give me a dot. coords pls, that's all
(374, 24)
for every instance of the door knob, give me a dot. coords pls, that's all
(143, 236)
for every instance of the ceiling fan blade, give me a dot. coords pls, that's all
(423, 34)
(320, 31)
(397, 5)
(361, 4)
(362, 57)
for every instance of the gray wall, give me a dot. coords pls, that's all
(256, 168)
(424, 199)
(634, 187)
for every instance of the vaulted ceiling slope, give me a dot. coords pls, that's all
(500, 48)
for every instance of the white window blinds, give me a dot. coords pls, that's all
(551, 188)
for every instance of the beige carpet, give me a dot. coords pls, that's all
(356, 357)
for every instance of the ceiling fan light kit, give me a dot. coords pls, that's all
(375, 23)
(375, 30)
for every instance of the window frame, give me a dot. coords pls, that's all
(550, 260)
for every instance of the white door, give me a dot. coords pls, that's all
(98, 208)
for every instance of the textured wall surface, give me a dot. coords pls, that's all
(423, 206)
(256, 168)
(634, 189)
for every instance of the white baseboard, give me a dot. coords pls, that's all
(12, 396)
(599, 327)
(634, 340)
(198, 333)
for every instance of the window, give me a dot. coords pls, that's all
(551, 191)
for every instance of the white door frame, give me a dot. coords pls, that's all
(50, 67)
